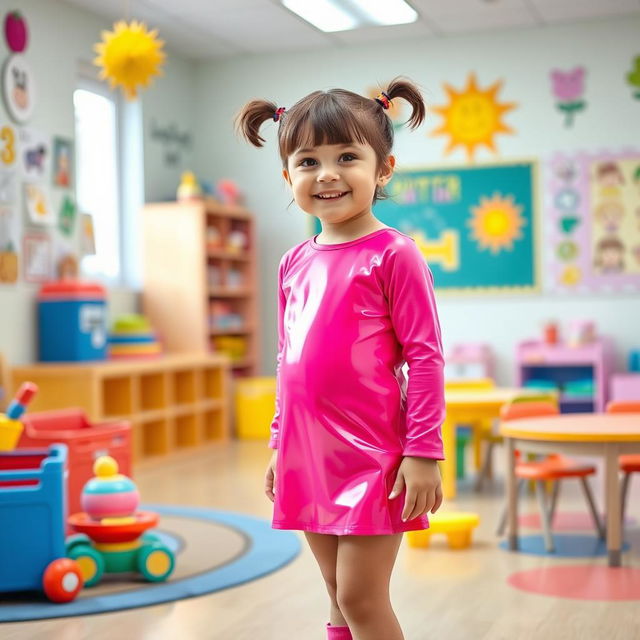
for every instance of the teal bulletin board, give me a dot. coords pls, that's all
(476, 225)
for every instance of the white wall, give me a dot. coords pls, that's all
(61, 35)
(523, 59)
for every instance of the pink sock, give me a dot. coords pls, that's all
(338, 633)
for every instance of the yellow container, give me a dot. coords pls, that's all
(10, 431)
(255, 400)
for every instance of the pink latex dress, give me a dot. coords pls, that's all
(349, 316)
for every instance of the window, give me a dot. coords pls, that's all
(97, 177)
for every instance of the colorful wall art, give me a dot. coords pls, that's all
(593, 215)
(473, 117)
(567, 88)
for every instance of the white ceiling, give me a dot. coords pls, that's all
(220, 28)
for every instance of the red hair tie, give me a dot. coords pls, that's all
(383, 100)
(278, 113)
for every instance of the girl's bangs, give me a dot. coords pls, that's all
(325, 126)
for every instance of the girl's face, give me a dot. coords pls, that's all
(336, 182)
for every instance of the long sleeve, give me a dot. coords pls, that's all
(275, 423)
(411, 298)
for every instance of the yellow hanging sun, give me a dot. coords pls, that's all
(130, 56)
(496, 223)
(472, 117)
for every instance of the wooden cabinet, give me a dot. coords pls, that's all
(172, 402)
(200, 287)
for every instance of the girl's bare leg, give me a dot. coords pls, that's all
(364, 566)
(325, 549)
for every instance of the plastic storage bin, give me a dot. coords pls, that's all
(255, 406)
(72, 322)
(85, 442)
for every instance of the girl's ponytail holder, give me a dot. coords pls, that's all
(278, 114)
(383, 100)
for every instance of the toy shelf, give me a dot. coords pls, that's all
(172, 402)
(581, 373)
(200, 291)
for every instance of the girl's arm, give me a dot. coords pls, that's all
(415, 320)
(275, 423)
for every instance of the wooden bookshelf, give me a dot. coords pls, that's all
(172, 402)
(200, 293)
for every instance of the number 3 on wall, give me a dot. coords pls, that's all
(8, 152)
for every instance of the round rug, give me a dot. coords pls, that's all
(214, 550)
(590, 582)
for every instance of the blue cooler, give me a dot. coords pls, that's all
(72, 321)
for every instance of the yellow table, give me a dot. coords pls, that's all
(589, 434)
(471, 408)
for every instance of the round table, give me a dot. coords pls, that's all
(588, 434)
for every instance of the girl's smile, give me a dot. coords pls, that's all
(328, 176)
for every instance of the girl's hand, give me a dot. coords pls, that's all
(424, 490)
(270, 476)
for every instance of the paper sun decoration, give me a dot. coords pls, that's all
(130, 56)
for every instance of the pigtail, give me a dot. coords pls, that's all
(403, 88)
(251, 117)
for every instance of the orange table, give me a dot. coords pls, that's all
(589, 434)
(471, 408)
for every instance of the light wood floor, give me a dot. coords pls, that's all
(437, 593)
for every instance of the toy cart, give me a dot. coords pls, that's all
(32, 517)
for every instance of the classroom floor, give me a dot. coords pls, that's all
(437, 593)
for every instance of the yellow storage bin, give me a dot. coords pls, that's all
(10, 431)
(255, 400)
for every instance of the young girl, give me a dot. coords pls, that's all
(355, 445)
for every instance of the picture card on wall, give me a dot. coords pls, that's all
(35, 154)
(37, 257)
(62, 162)
(9, 234)
(67, 215)
(37, 201)
(8, 146)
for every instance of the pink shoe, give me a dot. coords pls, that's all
(338, 633)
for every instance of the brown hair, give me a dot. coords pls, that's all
(336, 116)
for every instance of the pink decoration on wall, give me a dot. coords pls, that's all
(568, 90)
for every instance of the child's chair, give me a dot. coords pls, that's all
(629, 463)
(553, 468)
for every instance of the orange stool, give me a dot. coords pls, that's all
(553, 468)
(630, 463)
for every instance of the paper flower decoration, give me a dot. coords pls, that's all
(568, 87)
(130, 56)
(633, 77)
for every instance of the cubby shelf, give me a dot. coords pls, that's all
(172, 402)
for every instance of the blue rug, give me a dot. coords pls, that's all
(265, 551)
(567, 546)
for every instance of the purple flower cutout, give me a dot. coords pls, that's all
(568, 87)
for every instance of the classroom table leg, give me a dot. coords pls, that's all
(614, 528)
(512, 495)
(477, 429)
(448, 465)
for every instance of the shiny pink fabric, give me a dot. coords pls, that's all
(349, 316)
